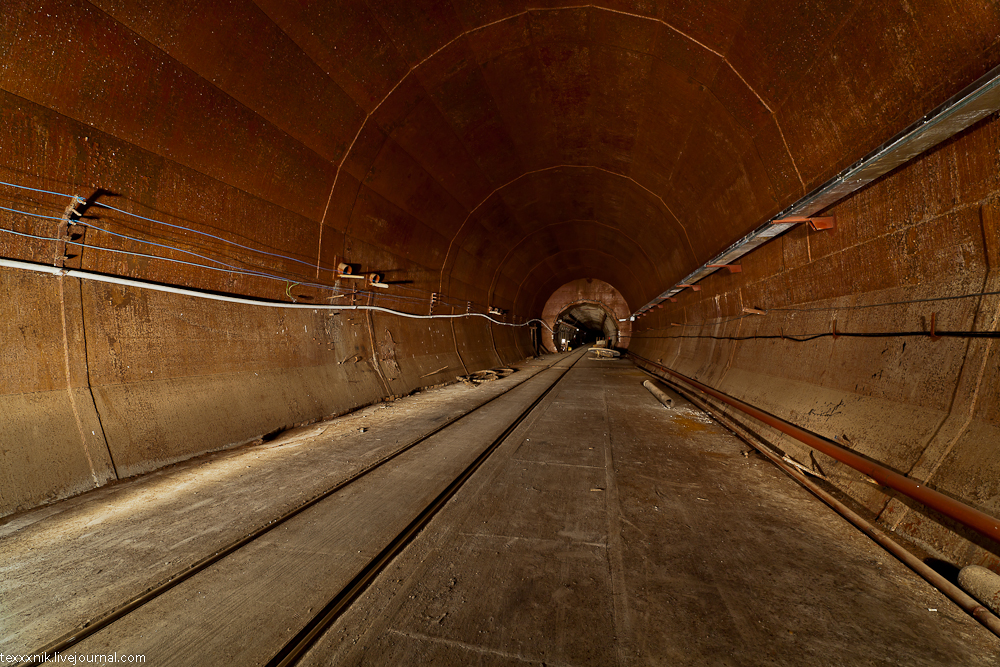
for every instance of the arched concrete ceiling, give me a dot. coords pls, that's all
(449, 143)
(533, 248)
(569, 265)
(683, 126)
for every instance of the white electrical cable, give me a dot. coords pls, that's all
(128, 282)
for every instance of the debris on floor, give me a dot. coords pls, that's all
(600, 353)
(660, 395)
(479, 377)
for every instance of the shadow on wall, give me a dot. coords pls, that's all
(602, 298)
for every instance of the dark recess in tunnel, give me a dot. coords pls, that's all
(586, 324)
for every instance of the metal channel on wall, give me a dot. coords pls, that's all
(968, 107)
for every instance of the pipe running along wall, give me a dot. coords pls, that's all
(954, 509)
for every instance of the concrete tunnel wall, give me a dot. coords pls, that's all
(489, 153)
(928, 408)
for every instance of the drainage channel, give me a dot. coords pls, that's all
(311, 629)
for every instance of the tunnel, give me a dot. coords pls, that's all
(586, 323)
(226, 223)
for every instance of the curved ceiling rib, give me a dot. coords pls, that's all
(545, 290)
(639, 251)
(446, 135)
(553, 272)
(633, 279)
(496, 192)
(417, 66)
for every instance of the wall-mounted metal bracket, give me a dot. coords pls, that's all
(375, 280)
(696, 288)
(732, 268)
(827, 222)
(934, 334)
(345, 270)
(69, 218)
(972, 104)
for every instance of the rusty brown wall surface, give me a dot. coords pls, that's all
(141, 379)
(462, 138)
(486, 152)
(51, 442)
(465, 141)
(927, 408)
(511, 344)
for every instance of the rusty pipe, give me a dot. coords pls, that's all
(935, 579)
(950, 507)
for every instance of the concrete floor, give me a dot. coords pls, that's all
(606, 530)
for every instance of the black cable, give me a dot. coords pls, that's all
(890, 303)
(803, 338)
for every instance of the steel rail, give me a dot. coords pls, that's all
(955, 509)
(93, 626)
(298, 645)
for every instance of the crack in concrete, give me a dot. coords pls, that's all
(615, 549)
(90, 385)
(69, 381)
(553, 463)
(483, 650)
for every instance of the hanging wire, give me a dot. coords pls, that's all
(48, 192)
(153, 220)
(35, 215)
(212, 236)
(970, 295)
(30, 236)
(442, 300)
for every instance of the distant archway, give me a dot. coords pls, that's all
(585, 323)
(582, 311)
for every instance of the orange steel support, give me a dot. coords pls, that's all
(733, 268)
(815, 223)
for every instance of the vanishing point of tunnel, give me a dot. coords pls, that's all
(325, 328)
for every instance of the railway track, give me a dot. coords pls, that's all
(448, 456)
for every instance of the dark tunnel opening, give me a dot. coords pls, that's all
(586, 324)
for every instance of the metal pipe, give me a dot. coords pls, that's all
(950, 507)
(935, 579)
(983, 584)
(660, 395)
